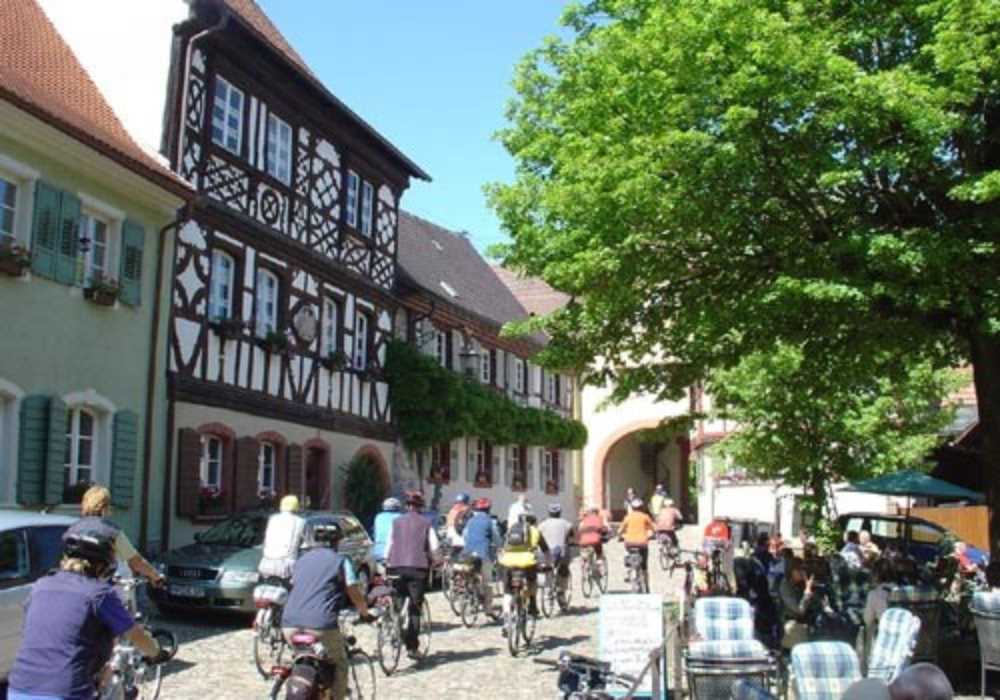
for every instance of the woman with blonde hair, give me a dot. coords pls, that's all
(96, 505)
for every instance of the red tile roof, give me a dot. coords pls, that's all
(534, 294)
(40, 74)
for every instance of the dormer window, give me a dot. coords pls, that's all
(367, 206)
(227, 116)
(279, 149)
(353, 185)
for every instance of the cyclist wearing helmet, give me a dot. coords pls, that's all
(636, 529)
(323, 584)
(455, 522)
(558, 532)
(282, 541)
(482, 540)
(519, 552)
(592, 530)
(72, 617)
(383, 526)
(411, 547)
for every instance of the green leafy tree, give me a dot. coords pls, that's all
(708, 178)
(363, 489)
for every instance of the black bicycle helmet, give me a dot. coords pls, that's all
(95, 547)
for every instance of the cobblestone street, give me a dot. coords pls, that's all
(215, 659)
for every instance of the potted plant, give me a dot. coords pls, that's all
(228, 328)
(14, 258)
(336, 361)
(103, 290)
(210, 499)
(274, 342)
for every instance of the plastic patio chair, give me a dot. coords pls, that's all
(824, 670)
(925, 603)
(898, 630)
(986, 611)
(726, 649)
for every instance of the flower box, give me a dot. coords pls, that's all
(336, 361)
(103, 291)
(274, 342)
(518, 485)
(14, 259)
(228, 328)
(210, 501)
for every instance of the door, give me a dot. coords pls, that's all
(317, 479)
(15, 578)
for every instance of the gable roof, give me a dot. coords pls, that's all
(446, 265)
(40, 74)
(535, 295)
(249, 14)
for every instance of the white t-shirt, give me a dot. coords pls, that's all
(515, 512)
(281, 544)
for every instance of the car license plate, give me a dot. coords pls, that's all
(186, 591)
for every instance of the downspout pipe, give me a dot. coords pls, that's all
(182, 117)
(151, 375)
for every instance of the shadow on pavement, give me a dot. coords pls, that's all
(448, 657)
(551, 643)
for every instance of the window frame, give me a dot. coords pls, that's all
(203, 466)
(441, 347)
(263, 466)
(213, 306)
(73, 436)
(361, 341)
(519, 375)
(352, 198)
(332, 336)
(263, 326)
(230, 88)
(24, 178)
(89, 218)
(272, 148)
(485, 365)
(550, 467)
(367, 208)
(14, 209)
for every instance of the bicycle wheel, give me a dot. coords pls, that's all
(586, 580)
(145, 682)
(456, 586)
(446, 581)
(526, 627)
(635, 580)
(389, 641)
(602, 579)
(664, 557)
(565, 592)
(470, 608)
(268, 645)
(361, 676)
(510, 624)
(424, 643)
(547, 594)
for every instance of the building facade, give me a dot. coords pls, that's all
(281, 303)
(453, 307)
(87, 219)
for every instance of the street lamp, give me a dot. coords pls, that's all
(469, 358)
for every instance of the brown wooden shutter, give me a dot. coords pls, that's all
(188, 472)
(247, 468)
(296, 479)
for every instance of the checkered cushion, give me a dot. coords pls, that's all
(986, 610)
(728, 650)
(897, 635)
(746, 690)
(722, 619)
(824, 670)
(913, 594)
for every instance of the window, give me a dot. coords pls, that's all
(8, 210)
(360, 341)
(485, 366)
(550, 467)
(331, 319)
(441, 347)
(265, 472)
(78, 466)
(227, 116)
(552, 388)
(519, 375)
(211, 462)
(518, 468)
(440, 463)
(267, 303)
(220, 305)
(353, 182)
(94, 247)
(367, 205)
(278, 159)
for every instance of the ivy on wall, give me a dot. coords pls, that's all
(435, 405)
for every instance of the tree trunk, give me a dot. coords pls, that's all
(985, 355)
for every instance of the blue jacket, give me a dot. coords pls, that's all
(383, 526)
(482, 537)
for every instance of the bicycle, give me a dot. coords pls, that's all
(669, 552)
(473, 601)
(593, 572)
(555, 588)
(132, 677)
(310, 666)
(518, 625)
(634, 574)
(584, 678)
(393, 622)
(268, 641)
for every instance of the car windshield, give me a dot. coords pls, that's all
(241, 531)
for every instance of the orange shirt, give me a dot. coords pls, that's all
(636, 528)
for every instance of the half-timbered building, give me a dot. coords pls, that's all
(453, 308)
(282, 283)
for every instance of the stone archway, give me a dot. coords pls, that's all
(363, 494)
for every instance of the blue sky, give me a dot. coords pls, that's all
(433, 76)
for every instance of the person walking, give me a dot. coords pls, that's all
(658, 500)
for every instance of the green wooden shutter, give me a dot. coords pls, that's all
(130, 275)
(124, 457)
(69, 234)
(32, 440)
(45, 230)
(55, 451)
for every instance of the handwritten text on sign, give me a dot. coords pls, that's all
(630, 626)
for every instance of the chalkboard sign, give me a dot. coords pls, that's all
(629, 627)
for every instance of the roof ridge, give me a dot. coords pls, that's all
(439, 227)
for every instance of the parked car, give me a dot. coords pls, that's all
(219, 571)
(887, 530)
(30, 545)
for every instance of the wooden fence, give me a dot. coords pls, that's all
(969, 523)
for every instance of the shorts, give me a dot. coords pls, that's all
(530, 575)
(669, 535)
(643, 552)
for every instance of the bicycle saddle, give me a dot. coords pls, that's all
(304, 639)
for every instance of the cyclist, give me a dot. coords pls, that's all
(71, 619)
(383, 526)
(282, 540)
(636, 530)
(593, 529)
(408, 553)
(455, 522)
(557, 533)
(519, 552)
(322, 584)
(482, 540)
(96, 505)
(668, 520)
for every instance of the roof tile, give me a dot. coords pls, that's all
(535, 295)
